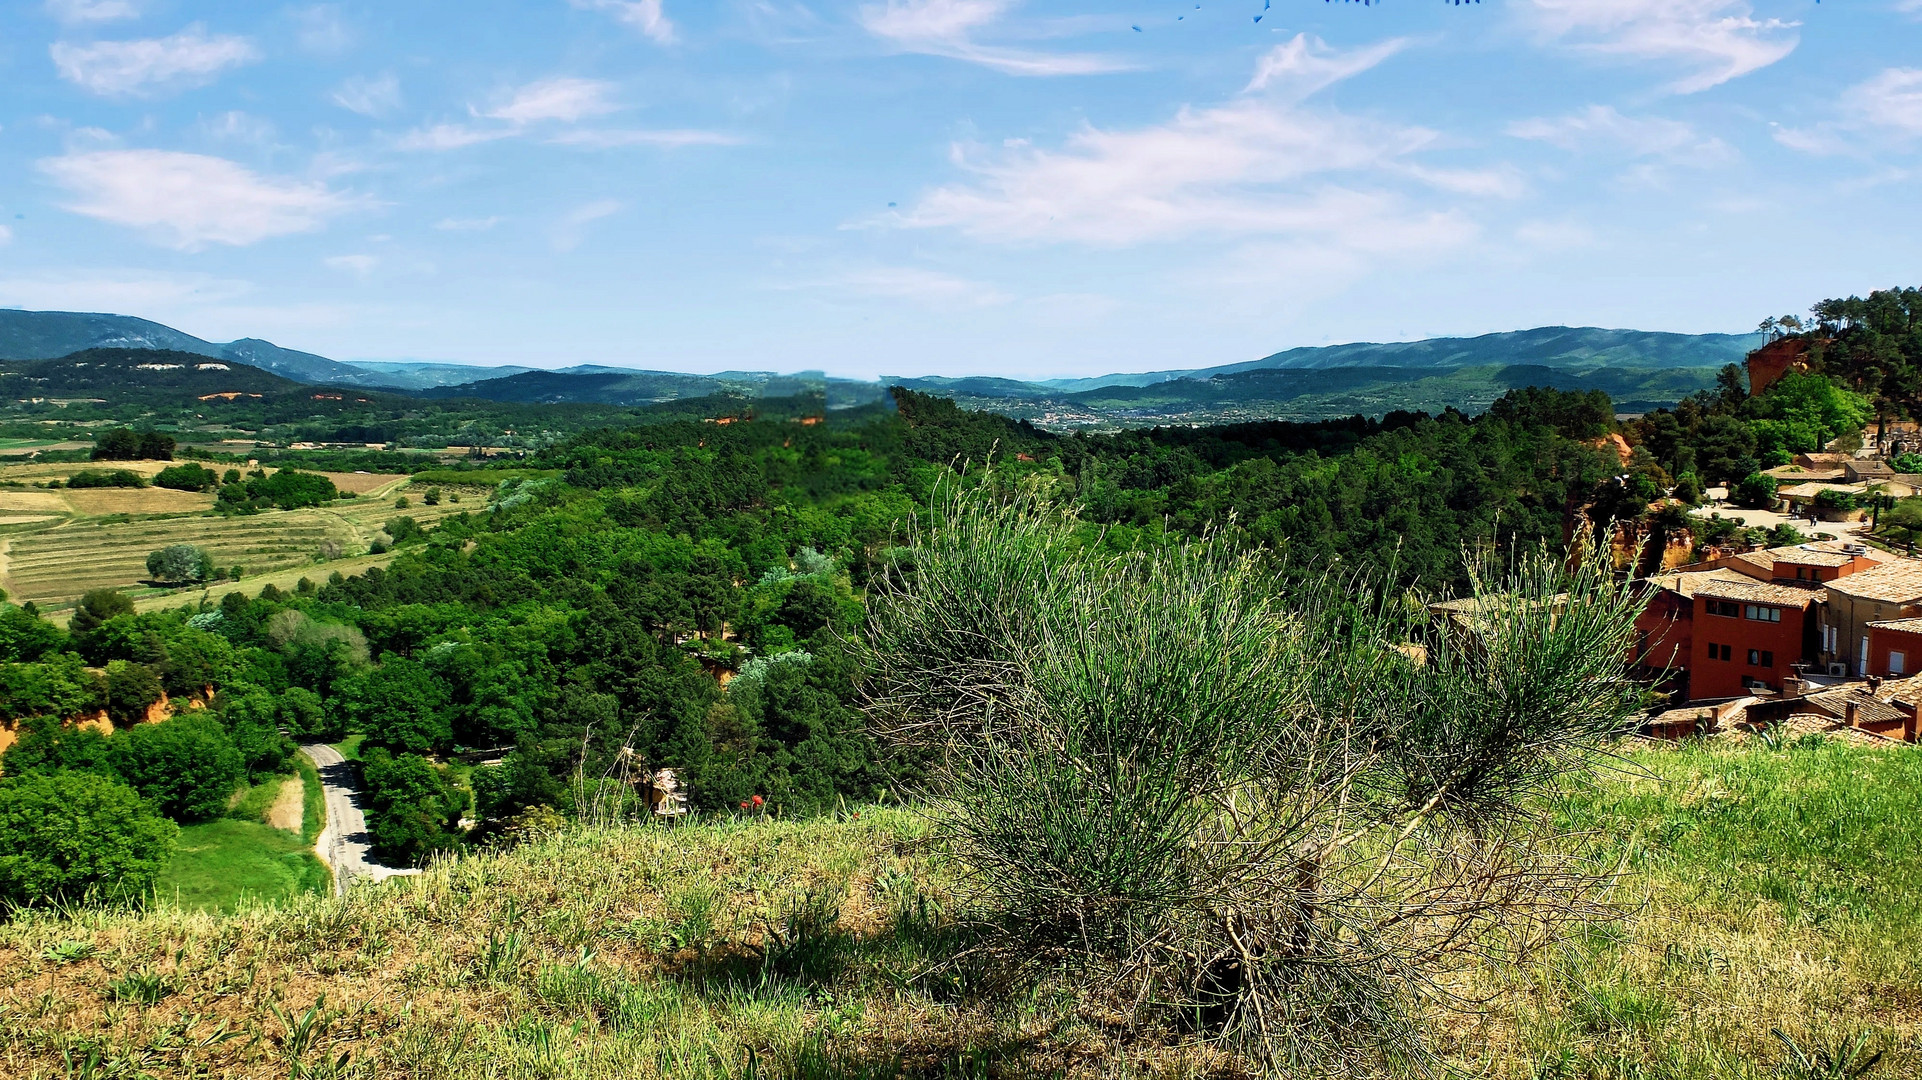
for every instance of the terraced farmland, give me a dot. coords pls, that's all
(54, 548)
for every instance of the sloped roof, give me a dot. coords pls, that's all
(1868, 708)
(1907, 626)
(1813, 489)
(1898, 581)
(1800, 474)
(1755, 592)
(1687, 582)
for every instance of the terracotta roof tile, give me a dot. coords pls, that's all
(1755, 592)
(1898, 581)
(1910, 626)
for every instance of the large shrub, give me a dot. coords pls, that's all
(187, 477)
(186, 766)
(1237, 799)
(180, 562)
(413, 807)
(71, 835)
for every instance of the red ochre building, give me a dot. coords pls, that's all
(1895, 648)
(1725, 628)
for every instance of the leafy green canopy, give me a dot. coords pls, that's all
(72, 836)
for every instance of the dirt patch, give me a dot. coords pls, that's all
(33, 502)
(26, 519)
(362, 483)
(92, 501)
(63, 469)
(288, 806)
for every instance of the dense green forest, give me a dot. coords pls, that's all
(688, 594)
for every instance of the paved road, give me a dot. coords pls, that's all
(343, 844)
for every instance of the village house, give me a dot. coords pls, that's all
(1817, 560)
(1895, 648)
(1889, 592)
(1748, 636)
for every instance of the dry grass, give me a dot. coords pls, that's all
(1774, 889)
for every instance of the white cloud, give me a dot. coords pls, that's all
(562, 98)
(643, 15)
(358, 265)
(1256, 166)
(133, 68)
(1602, 127)
(6, 236)
(568, 232)
(188, 201)
(1306, 64)
(948, 28)
(1717, 40)
(467, 224)
(368, 96)
(671, 137)
(450, 137)
(92, 11)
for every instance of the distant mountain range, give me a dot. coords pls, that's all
(1639, 369)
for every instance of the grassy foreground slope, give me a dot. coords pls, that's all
(1767, 889)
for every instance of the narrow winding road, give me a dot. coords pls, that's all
(343, 843)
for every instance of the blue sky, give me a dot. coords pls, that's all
(1015, 187)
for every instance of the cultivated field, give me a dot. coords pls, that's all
(57, 544)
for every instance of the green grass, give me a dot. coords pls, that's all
(224, 863)
(1762, 889)
(255, 799)
(313, 802)
(349, 747)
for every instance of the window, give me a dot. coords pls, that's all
(1898, 663)
(1764, 614)
(1723, 607)
(1761, 658)
(1719, 652)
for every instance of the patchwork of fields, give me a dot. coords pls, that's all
(56, 544)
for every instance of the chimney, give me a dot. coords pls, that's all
(1909, 727)
(1849, 714)
(1875, 683)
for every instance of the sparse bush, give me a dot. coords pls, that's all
(1231, 799)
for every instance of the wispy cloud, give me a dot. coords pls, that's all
(1603, 128)
(1891, 100)
(1306, 64)
(92, 11)
(368, 96)
(643, 15)
(322, 29)
(668, 137)
(1882, 109)
(237, 126)
(1258, 165)
(188, 201)
(546, 109)
(561, 98)
(358, 265)
(6, 236)
(571, 228)
(466, 224)
(138, 68)
(949, 28)
(1717, 40)
(450, 137)
(915, 285)
(118, 290)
